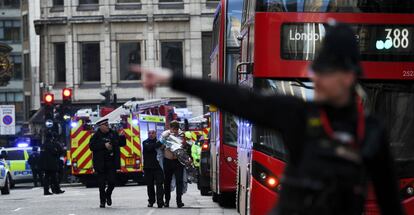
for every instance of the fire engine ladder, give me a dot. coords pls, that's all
(131, 107)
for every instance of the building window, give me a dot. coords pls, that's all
(26, 64)
(129, 53)
(17, 66)
(10, 4)
(90, 62)
(88, 1)
(171, 4)
(57, 3)
(25, 28)
(206, 38)
(10, 31)
(60, 63)
(172, 56)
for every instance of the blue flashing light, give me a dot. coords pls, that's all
(73, 124)
(135, 121)
(22, 145)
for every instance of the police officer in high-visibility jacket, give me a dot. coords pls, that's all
(196, 152)
(105, 146)
(335, 147)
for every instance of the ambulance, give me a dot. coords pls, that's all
(135, 118)
(5, 175)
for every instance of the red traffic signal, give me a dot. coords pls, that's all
(49, 98)
(67, 94)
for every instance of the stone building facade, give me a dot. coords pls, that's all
(87, 45)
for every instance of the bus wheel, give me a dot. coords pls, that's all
(215, 197)
(6, 188)
(227, 200)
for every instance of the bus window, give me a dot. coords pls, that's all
(337, 6)
(230, 124)
(394, 103)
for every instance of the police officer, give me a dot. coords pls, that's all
(334, 146)
(105, 146)
(152, 170)
(34, 162)
(51, 151)
(172, 167)
(196, 151)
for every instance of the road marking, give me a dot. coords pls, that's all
(72, 214)
(17, 209)
(150, 212)
(36, 188)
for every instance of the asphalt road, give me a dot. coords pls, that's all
(78, 200)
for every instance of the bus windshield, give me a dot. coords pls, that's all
(337, 6)
(393, 103)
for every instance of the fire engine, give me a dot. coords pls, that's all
(135, 119)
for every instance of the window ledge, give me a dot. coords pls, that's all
(59, 85)
(128, 6)
(89, 85)
(59, 8)
(171, 5)
(88, 7)
(129, 84)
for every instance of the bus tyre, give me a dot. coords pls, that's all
(204, 191)
(215, 197)
(227, 200)
(6, 189)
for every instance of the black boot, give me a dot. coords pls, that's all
(180, 203)
(102, 205)
(167, 204)
(108, 200)
(47, 193)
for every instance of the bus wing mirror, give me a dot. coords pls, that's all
(249, 69)
(212, 108)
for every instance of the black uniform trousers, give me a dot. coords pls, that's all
(154, 176)
(50, 180)
(37, 177)
(173, 167)
(106, 181)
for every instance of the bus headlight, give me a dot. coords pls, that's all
(410, 191)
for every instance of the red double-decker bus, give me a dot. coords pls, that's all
(280, 38)
(223, 140)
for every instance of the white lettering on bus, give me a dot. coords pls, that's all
(310, 36)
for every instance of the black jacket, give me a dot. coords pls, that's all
(290, 115)
(34, 161)
(150, 153)
(101, 155)
(49, 156)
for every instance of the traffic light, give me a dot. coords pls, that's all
(66, 94)
(65, 109)
(48, 100)
(107, 95)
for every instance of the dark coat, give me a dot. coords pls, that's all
(101, 155)
(49, 156)
(34, 161)
(290, 116)
(150, 154)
